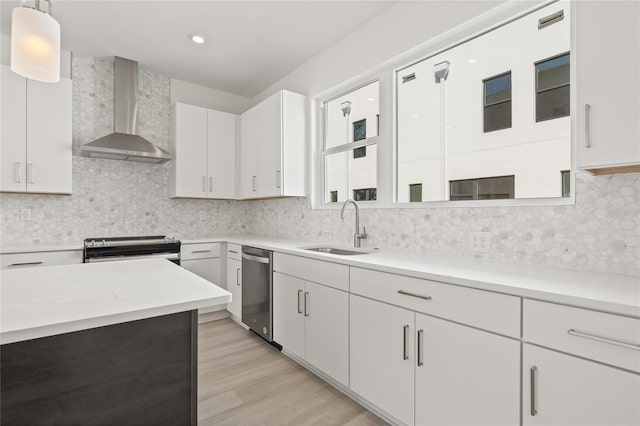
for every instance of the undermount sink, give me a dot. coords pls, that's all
(337, 250)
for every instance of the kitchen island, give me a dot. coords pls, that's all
(104, 343)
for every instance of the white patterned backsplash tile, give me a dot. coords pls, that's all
(115, 198)
(600, 233)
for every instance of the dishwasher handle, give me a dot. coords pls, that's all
(255, 258)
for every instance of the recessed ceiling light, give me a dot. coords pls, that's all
(472, 61)
(371, 99)
(196, 38)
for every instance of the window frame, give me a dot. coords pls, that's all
(537, 90)
(485, 105)
(387, 73)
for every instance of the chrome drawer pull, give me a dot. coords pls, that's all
(233, 251)
(26, 263)
(200, 251)
(406, 293)
(627, 345)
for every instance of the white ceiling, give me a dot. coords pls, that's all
(250, 44)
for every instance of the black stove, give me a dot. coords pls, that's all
(123, 248)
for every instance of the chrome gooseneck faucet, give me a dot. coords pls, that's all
(357, 237)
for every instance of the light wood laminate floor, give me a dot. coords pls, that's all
(242, 380)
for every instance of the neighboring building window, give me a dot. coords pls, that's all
(367, 194)
(497, 102)
(566, 183)
(360, 130)
(360, 152)
(334, 196)
(493, 188)
(552, 88)
(415, 193)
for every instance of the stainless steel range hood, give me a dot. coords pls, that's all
(124, 143)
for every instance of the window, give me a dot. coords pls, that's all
(367, 194)
(415, 193)
(348, 170)
(552, 88)
(360, 152)
(360, 130)
(493, 188)
(566, 183)
(497, 103)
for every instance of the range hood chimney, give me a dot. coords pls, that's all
(124, 143)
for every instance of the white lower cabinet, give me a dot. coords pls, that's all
(381, 356)
(42, 258)
(465, 376)
(442, 373)
(311, 321)
(561, 389)
(203, 259)
(234, 286)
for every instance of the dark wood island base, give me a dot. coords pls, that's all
(135, 373)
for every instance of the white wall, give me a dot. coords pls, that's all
(193, 94)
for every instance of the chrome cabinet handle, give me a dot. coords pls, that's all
(603, 339)
(233, 251)
(18, 168)
(406, 293)
(532, 379)
(277, 178)
(306, 304)
(31, 178)
(25, 263)
(405, 343)
(238, 276)
(204, 184)
(299, 304)
(200, 251)
(407, 78)
(587, 126)
(420, 348)
(254, 184)
(210, 184)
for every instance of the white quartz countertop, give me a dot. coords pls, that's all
(45, 301)
(614, 293)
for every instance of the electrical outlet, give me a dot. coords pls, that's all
(202, 215)
(25, 214)
(480, 241)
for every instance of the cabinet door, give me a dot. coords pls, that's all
(293, 178)
(13, 131)
(326, 327)
(249, 140)
(190, 150)
(209, 269)
(269, 147)
(610, 88)
(381, 356)
(461, 367)
(49, 156)
(288, 313)
(221, 135)
(234, 286)
(573, 391)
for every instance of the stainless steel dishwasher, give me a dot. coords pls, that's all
(257, 283)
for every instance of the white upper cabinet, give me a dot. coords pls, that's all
(36, 142)
(203, 143)
(608, 87)
(273, 148)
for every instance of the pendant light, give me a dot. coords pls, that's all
(35, 43)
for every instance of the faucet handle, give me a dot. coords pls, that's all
(363, 236)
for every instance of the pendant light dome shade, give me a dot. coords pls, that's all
(35, 45)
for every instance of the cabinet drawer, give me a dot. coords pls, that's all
(327, 273)
(496, 312)
(199, 251)
(48, 258)
(234, 251)
(608, 338)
